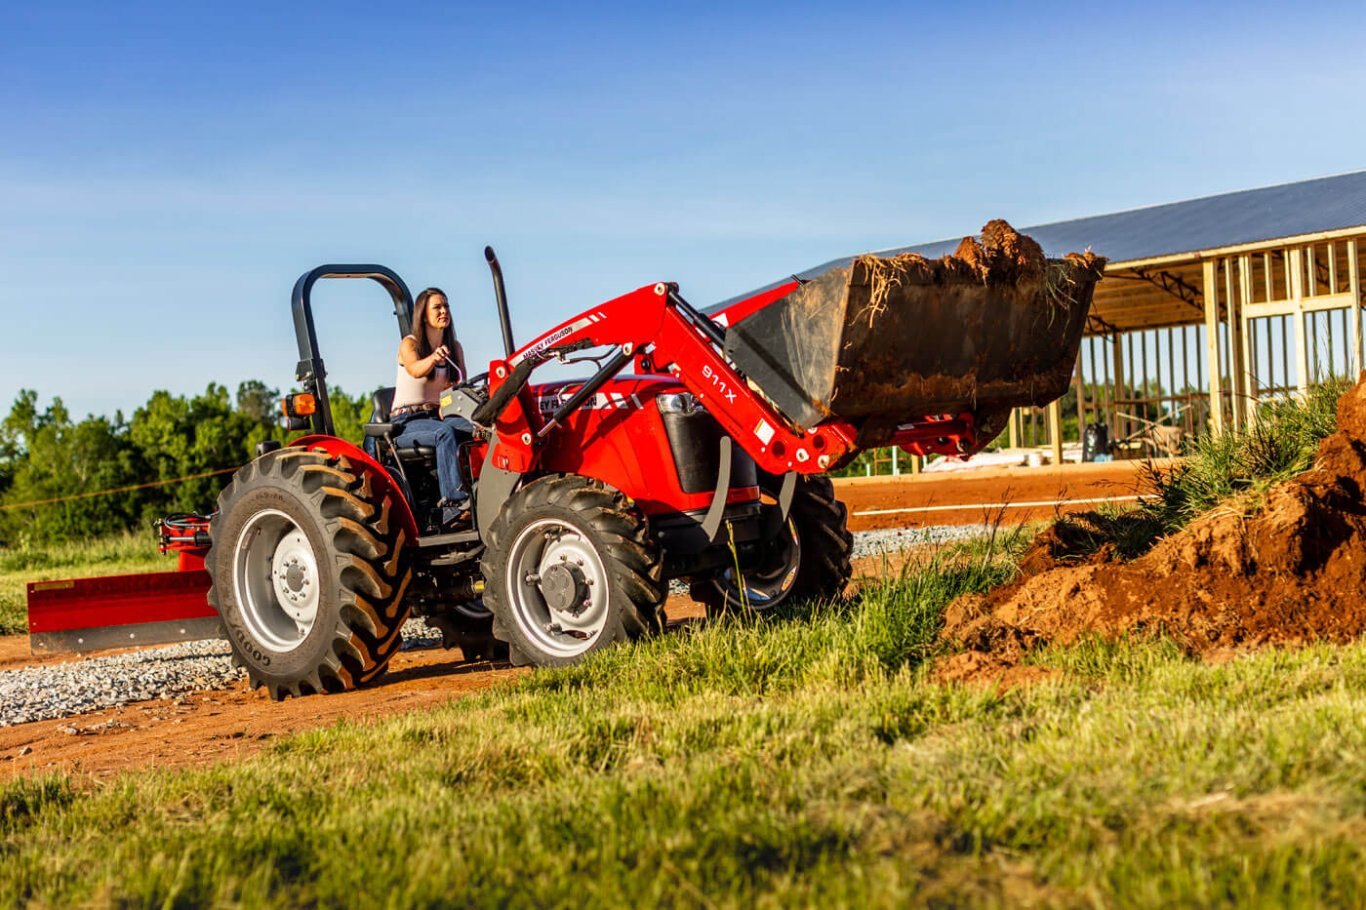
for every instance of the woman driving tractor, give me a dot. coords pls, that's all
(430, 360)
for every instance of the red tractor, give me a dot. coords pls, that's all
(696, 450)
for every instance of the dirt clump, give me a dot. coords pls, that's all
(1002, 256)
(1293, 572)
(981, 668)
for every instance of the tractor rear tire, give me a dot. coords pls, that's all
(570, 569)
(817, 545)
(309, 568)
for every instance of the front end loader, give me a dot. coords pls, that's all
(696, 450)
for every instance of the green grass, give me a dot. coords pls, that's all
(1233, 470)
(805, 759)
(1243, 465)
(105, 556)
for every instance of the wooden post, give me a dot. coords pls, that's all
(1055, 430)
(916, 463)
(1013, 437)
(1116, 430)
(1081, 397)
(1295, 264)
(1216, 361)
(1354, 289)
(1243, 392)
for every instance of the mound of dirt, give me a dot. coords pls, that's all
(1002, 256)
(1294, 572)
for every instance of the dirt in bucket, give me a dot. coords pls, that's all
(1293, 572)
(1002, 256)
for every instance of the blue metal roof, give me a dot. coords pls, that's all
(1247, 216)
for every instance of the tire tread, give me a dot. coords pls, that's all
(364, 548)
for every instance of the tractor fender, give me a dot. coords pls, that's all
(380, 480)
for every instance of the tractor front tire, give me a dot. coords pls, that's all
(309, 567)
(569, 570)
(811, 559)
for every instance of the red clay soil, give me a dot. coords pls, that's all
(982, 668)
(1290, 574)
(208, 727)
(1001, 256)
(976, 497)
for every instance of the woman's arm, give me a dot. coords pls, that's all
(419, 367)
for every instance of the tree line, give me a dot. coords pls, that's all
(45, 454)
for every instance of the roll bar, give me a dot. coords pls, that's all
(310, 372)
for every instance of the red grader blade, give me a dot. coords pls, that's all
(120, 611)
(129, 611)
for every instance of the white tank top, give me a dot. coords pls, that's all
(411, 390)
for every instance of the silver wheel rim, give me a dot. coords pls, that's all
(275, 580)
(760, 590)
(557, 588)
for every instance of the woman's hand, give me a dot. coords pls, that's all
(421, 367)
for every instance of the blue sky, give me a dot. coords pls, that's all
(168, 169)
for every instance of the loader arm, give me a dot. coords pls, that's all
(663, 333)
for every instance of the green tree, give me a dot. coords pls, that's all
(180, 437)
(349, 414)
(52, 457)
(258, 401)
(45, 455)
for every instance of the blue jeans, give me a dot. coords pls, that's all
(443, 435)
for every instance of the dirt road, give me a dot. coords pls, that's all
(208, 727)
(974, 497)
(205, 728)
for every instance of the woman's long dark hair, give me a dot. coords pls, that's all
(420, 323)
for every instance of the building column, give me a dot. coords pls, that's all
(1120, 426)
(1240, 348)
(1055, 429)
(1295, 264)
(1215, 358)
(1354, 289)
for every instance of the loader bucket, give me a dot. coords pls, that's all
(893, 340)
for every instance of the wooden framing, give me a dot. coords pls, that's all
(1272, 318)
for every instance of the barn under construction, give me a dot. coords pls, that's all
(1207, 308)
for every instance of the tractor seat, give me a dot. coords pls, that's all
(380, 427)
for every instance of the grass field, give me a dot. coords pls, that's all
(105, 556)
(805, 759)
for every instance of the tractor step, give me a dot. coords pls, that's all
(446, 540)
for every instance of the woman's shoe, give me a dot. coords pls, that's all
(454, 512)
